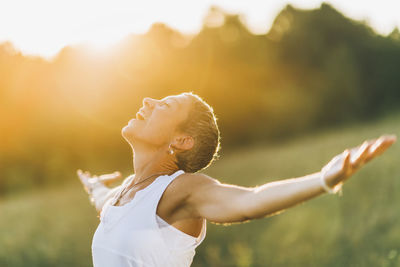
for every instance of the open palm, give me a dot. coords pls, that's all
(89, 180)
(344, 165)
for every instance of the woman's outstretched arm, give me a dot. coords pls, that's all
(98, 187)
(223, 203)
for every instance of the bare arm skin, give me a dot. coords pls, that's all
(98, 187)
(205, 197)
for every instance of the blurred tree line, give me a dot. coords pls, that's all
(314, 68)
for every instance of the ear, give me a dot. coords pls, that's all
(183, 142)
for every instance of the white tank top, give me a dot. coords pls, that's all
(134, 235)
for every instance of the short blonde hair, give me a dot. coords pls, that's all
(201, 124)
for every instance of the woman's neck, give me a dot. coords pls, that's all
(151, 161)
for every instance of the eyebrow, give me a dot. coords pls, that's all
(173, 99)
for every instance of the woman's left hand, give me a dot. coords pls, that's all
(344, 165)
(89, 181)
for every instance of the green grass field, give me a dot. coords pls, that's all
(54, 227)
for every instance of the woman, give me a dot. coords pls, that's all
(157, 217)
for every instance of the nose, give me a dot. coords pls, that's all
(148, 102)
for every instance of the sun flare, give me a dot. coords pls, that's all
(44, 27)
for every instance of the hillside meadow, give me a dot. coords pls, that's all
(53, 226)
(296, 78)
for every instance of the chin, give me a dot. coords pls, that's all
(127, 133)
(124, 130)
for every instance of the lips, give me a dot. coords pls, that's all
(140, 116)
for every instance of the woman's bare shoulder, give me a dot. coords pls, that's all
(184, 184)
(180, 190)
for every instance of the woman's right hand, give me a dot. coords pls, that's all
(89, 180)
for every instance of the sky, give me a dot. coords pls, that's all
(43, 27)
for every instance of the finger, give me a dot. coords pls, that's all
(372, 150)
(79, 173)
(381, 148)
(83, 180)
(382, 142)
(354, 152)
(113, 175)
(391, 137)
(346, 162)
(359, 157)
(378, 147)
(388, 140)
(82, 177)
(108, 179)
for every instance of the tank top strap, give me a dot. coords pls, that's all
(143, 204)
(160, 187)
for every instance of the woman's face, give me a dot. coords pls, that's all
(156, 122)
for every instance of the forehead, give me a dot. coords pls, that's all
(180, 100)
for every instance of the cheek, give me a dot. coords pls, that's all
(159, 132)
(158, 135)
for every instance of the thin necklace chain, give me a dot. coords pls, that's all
(127, 188)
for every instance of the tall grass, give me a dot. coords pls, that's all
(54, 227)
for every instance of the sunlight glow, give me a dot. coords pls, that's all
(43, 27)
